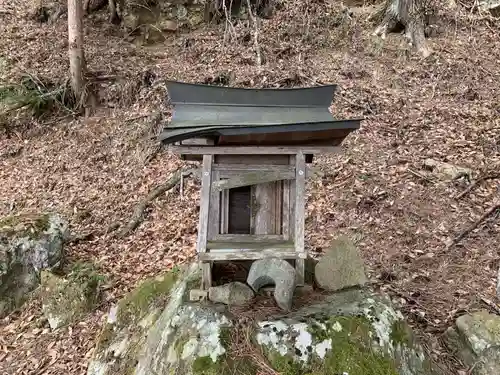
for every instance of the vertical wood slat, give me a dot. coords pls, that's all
(224, 222)
(264, 214)
(214, 215)
(300, 179)
(206, 182)
(278, 213)
(286, 210)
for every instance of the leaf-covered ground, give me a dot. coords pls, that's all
(95, 170)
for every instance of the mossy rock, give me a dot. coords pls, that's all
(24, 225)
(354, 332)
(29, 243)
(130, 325)
(65, 300)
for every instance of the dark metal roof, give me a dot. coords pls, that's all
(202, 110)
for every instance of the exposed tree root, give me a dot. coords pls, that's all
(137, 217)
(490, 176)
(465, 232)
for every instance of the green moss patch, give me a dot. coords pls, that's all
(340, 344)
(225, 365)
(133, 307)
(401, 334)
(24, 225)
(66, 299)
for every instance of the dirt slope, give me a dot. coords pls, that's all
(93, 170)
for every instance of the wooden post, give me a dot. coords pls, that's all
(300, 182)
(206, 182)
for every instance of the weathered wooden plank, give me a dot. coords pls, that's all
(249, 159)
(252, 178)
(278, 206)
(206, 181)
(249, 238)
(224, 210)
(286, 214)
(300, 182)
(225, 168)
(232, 245)
(263, 208)
(197, 142)
(214, 218)
(248, 254)
(256, 150)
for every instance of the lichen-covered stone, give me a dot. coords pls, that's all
(134, 330)
(476, 340)
(340, 267)
(354, 332)
(29, 244)
(66, 299)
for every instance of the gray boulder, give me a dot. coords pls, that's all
(28, 245)
(156, 330)
(475, 339)
(340, 267)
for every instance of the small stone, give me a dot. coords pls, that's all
(168, 25)
(196, 295)
(274, 271)
(234, 293)
(446, 171)
(340, 267)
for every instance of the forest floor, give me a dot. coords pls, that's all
(95, 170)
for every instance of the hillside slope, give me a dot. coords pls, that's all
(93, 170)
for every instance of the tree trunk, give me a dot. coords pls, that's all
(76, 56)
(410, 15)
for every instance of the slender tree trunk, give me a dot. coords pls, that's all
(409, 14)
(76, 56)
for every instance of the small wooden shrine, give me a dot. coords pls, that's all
(255, 145)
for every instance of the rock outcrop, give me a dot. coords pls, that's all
(66, 299)
(475, 338)
(28, 245)
(152, 24)
(155, 330)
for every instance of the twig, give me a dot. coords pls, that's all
(253, 19)
(356, 105)
(464, 233)
(137, 216)
(420, 175)
(490, 176)
(491, 304)
(152, 154)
